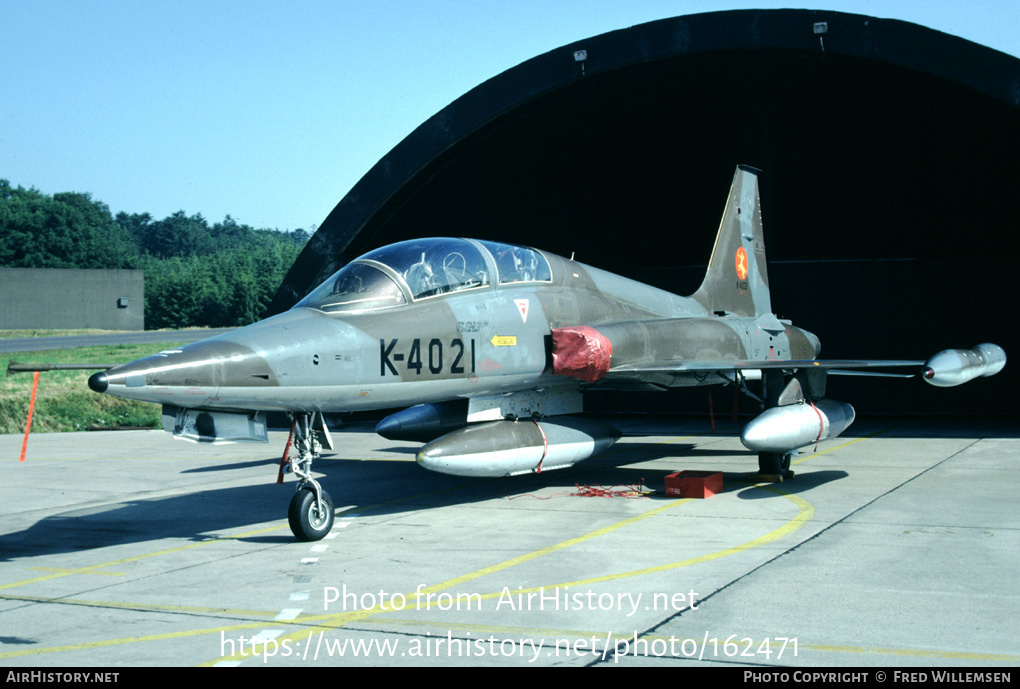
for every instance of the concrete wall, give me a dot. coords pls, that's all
(50, 298)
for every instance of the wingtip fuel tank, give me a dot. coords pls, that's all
(957, 366)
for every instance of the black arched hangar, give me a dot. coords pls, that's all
(889, 156)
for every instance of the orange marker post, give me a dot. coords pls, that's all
(28, 424)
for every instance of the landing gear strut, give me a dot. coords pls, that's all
(777, 390)
(311, 509)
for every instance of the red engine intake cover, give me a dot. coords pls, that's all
(581, 352)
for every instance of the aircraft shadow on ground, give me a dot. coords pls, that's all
(356, 485)
(234, 466)
(803, 483)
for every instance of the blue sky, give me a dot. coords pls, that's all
(271, 111)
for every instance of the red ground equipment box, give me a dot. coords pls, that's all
(694, 484)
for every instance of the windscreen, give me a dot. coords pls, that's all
(355, 287)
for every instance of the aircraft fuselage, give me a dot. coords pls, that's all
(481, 341)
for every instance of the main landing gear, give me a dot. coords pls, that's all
(779, 389)
(777, 436)
(775, 467)
(311, 509)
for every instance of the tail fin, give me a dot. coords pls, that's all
(737, 280)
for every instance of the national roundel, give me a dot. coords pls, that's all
(741, 263)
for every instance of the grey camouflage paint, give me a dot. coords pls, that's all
(488, 340)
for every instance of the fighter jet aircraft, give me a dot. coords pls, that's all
(491, 348)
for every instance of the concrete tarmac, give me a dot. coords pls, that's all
(896, 545)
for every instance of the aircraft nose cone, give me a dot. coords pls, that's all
(99, 382)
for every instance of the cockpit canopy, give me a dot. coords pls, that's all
(423, 268)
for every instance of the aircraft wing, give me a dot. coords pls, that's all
(852, 366)
(947, 368)
(677, 373)
(592, 355)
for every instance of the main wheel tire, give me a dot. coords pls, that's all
(771, 463)
(306, 521)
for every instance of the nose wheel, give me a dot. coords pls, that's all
(310, 517)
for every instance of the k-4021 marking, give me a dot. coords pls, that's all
(432, 357)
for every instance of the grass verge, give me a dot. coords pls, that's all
(64, 401)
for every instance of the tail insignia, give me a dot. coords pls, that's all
(741, 261)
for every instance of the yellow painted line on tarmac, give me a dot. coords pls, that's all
(90, 569)
(913, 653)
(742, 642)
(301, 621)
(848, 443)
(75, 571)
(334, 621)
(546, 634)
(553, 548)
(805, 513)
(130, 640)
(326, 622)
(365, 459)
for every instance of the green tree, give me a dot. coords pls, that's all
(67, 230)
(230, 234)
(137, 225)
(177, 236)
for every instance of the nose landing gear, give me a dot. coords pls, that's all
(311, 509)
